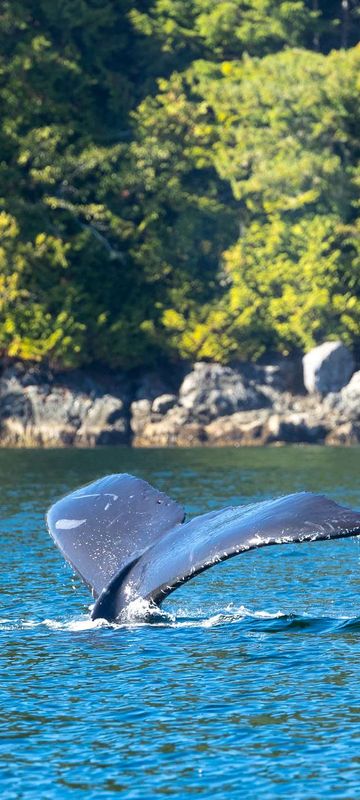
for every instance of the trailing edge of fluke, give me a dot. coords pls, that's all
(128, 540)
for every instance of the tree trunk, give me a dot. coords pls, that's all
(345, 22)
(316, 38)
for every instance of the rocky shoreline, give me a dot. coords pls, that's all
(314, 401)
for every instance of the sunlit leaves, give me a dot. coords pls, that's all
(178, 178)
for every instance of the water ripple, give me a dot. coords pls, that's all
(246, 685)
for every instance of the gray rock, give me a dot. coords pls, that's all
(327, 368)
(104, 423)
(217, 406)
(242, 428)
(60, 411)
(211, 391)
(175, 428)
(140, 411)
(346, 404)
(350, 397)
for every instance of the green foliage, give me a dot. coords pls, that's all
(287, 129)
(290, 286)
(285, 135)
(137, 140)
(190, 29)
(297, 276)
(67, 85)
(224, 30)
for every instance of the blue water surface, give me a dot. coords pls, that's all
(248, 686)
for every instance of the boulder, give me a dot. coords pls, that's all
(350, 398)
(327, 368)
(140, 411)
(242, 428)
(175, 428)
(106, 422)
(345, 405)
(212, 391)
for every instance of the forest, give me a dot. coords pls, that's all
(178, 179)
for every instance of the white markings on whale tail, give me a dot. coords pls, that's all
(68, 524)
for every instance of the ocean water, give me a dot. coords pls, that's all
(248, 685)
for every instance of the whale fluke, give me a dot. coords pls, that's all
(105, 526)
(128, 540)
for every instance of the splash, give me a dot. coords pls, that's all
(144, 614)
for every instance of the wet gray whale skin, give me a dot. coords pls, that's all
(128, 540)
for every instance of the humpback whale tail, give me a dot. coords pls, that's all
(128, 540)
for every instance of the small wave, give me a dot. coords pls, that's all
(226, 616)
(351, 625)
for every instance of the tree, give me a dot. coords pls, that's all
(68, 81)
(137, 140)
(193, 29)
(285, 136)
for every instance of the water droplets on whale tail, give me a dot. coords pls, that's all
(129, 542)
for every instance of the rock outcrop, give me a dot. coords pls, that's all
(210, 405)
(211, 391)
(347, 402)
(243, 428)
(327, 368)
(39, 409)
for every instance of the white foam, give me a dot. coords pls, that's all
(74, 625)
(142, 613)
